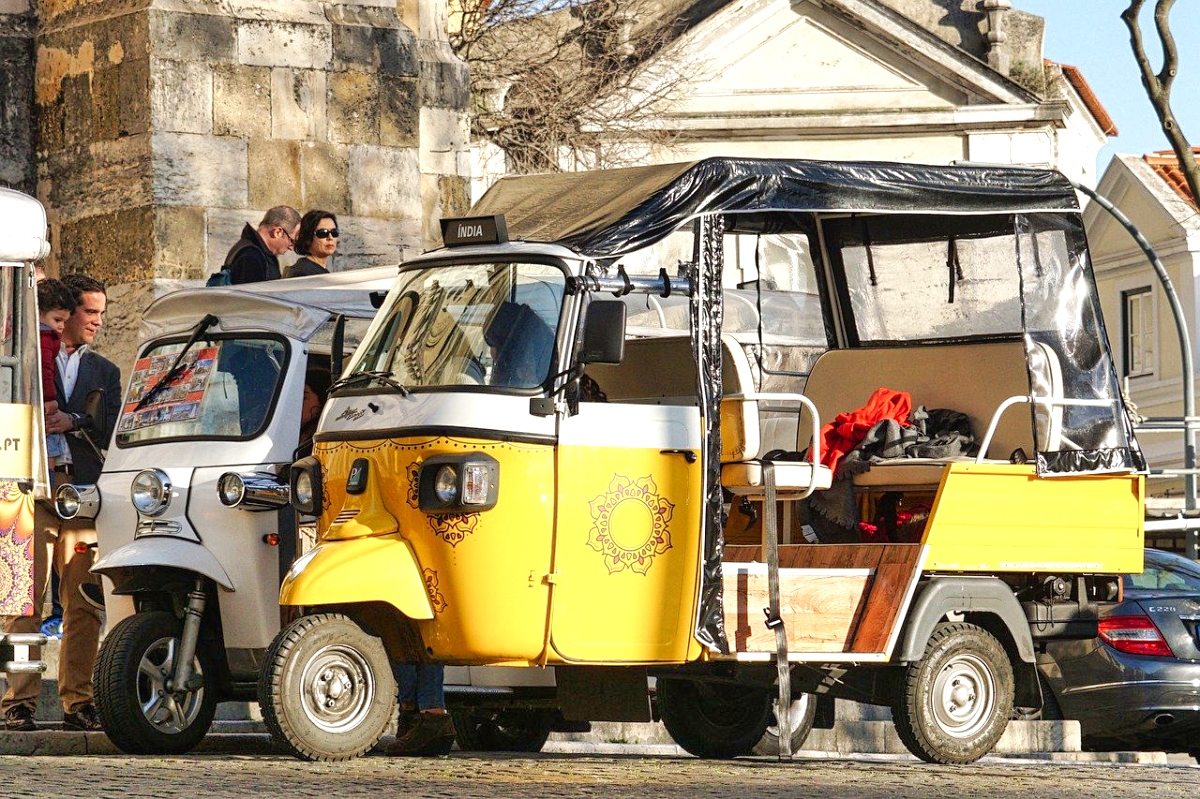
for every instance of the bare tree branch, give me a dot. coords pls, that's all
(564, 84)
(1158, 85)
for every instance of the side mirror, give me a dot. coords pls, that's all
(604, 333)
(95, 411)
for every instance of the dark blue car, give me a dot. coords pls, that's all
(1137, 685)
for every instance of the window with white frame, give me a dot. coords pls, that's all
(1137, 328)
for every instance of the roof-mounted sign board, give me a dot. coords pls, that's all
(461, 231)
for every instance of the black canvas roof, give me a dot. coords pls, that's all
(616, 211)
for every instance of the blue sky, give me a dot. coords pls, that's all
(1090, 34)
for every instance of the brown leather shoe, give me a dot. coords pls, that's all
(432, 735)
(19, 719)
(85, 719)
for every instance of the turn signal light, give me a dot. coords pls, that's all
(1135, 635)
(81, 548)
(271, 539)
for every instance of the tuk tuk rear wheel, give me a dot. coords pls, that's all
(502, 730)
(326, 690)
(714, 720)
(140, 715)
(955, 702)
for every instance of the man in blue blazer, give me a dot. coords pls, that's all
(79, 372)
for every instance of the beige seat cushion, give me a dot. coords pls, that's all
(791, 477)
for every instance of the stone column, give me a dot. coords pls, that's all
(16, 95)
(167, 125)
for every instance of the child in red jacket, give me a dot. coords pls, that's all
(56, 303)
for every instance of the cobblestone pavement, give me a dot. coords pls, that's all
(576, 776)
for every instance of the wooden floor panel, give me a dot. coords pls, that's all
(821, 612)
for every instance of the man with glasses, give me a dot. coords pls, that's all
(255, 257)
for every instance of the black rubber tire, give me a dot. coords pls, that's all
(115, 679)
(714, 720)
(502, 731)
(804, 715)
(913, 712)
(280, 689)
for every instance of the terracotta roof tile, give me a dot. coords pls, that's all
(1080, 84)
(1166, 165)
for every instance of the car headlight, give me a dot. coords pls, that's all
(304, 488)
(231, 488)
(66, 501)
(445, 485)
(466, 483)
(305, 481)
(150, 492)
(253, 492)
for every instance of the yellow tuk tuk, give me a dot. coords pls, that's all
(24, 475)
(883, 467)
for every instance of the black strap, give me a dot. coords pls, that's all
(866, 231)
(773, 613)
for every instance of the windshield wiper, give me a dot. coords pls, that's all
(177, 367)
(382, 376)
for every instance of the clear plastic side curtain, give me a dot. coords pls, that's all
(1080, 424)
(707, 310)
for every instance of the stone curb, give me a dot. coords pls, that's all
(58, 743)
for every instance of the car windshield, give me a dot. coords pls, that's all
(1166, 572)
(490, 324)
(224, 390)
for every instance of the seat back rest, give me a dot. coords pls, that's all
(970, 378)
(748, 430)
(655, 370)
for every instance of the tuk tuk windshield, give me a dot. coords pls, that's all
(492, 324)
(225, 390)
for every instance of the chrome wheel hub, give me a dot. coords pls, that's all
(337, 688)
(169, 711)
(964, 696)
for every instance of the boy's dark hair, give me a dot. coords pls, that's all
(54, 295)
(79, 284)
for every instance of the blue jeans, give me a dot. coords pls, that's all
(421, 685)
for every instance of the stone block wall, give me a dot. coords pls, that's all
(167, 125)
(16, 95)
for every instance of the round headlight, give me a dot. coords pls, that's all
(445, 484)
(231, 488)
(66, 501)
(304, 489)
(150, 492)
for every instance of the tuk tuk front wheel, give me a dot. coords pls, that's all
(326, 690)
(714, 720)
(502, 730)
(955, 702)
(142, 713)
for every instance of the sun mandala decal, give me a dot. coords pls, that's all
(630, 524)
(453, 527)
(435, 596)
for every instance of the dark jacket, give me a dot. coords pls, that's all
(305, 268)
(249, 261)
(95, 371)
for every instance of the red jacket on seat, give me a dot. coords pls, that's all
(847, 430)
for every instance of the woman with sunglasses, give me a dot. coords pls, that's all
(315, 243)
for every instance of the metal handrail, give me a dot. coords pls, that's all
(814, 450)
(1015, 400)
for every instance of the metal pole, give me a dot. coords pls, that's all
(1185, 354)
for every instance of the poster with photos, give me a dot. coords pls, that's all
(177, 402)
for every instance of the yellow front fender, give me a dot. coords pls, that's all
(375, 569)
